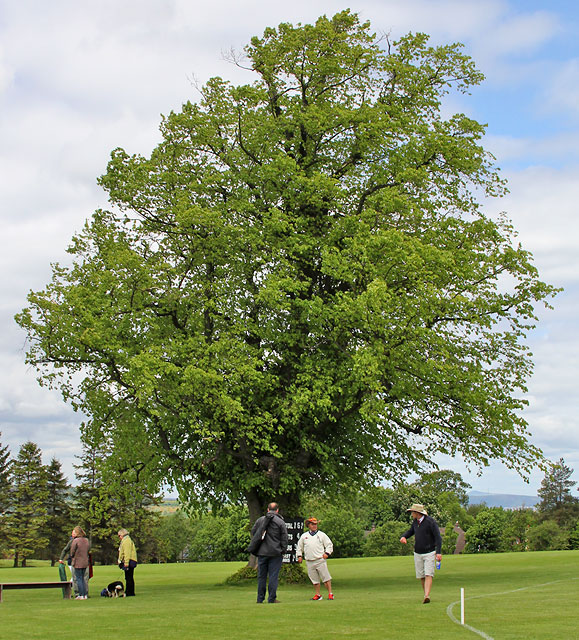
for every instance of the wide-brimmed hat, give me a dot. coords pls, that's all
(419, 508)
(312, 521)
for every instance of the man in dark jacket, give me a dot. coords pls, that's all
(427, 546)
(270, 552)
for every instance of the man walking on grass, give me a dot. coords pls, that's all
(270, 552)
(316, 547)
(427, 546)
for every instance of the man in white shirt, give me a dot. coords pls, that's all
(316, 547)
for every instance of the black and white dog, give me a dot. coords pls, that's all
(114, 590)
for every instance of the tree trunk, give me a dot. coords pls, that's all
(255, 506)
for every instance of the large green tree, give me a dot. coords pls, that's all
(299, 286)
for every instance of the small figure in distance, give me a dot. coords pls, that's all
(316, 547)
(427, 546)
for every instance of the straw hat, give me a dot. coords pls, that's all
(419, 508)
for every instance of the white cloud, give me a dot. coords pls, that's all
(521, 34)
(6, 73)
(562, 89)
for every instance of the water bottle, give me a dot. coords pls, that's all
(438, 564)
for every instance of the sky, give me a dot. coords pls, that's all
(79, 78)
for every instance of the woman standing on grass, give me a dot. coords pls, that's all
(127, 560)
(79, 552)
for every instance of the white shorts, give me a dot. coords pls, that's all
(424, 564)
(318, 571)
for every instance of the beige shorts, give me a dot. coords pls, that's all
(318, 571)
(424, 564)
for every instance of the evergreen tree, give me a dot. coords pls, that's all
(4, 478)
(58, 517)
(103, 507)
(27, 514)
(4, 491)
(557, 502)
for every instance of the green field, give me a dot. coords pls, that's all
(525, 595)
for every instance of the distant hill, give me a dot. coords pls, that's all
(505, 500)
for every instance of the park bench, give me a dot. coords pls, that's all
(65, 586)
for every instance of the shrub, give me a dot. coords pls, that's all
(385, 540)
(547, 536)
(289, 574)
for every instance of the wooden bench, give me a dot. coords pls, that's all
(65, 586)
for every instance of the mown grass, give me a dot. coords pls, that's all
(526, 595)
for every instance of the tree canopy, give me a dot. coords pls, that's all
(299, 287)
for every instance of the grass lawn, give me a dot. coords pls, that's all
(525, 595)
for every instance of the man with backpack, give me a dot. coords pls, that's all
(274, 540)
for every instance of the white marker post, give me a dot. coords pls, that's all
(462, 605)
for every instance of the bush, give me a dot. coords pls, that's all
(385, 540)
(485, 534)
(547, 536)
(289, 574)
(449, 539)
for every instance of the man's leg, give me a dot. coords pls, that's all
(328, 585)
(427, 584)
(274, 569)
(262, 567)
(429, 560)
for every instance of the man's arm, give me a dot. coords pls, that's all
(255, 525)
(437, 539)
(328, 546)
(284, 537)
(300, 549)
(65, 552)
(408, 534)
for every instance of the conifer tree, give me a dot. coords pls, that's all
(58, 510)
(4, 490)
(27, 513)
(557, 501)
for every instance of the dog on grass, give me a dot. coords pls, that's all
(114, 590)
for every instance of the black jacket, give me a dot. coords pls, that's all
(275, 541)
(427, 535)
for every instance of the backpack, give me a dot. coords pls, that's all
(258, 536)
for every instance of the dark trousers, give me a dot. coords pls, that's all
(130, 582)
(268, 565)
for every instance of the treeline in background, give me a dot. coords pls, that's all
(39, 507)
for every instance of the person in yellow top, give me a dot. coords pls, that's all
(127, 560)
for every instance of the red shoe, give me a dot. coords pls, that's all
(317, 597)
(330, 596)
